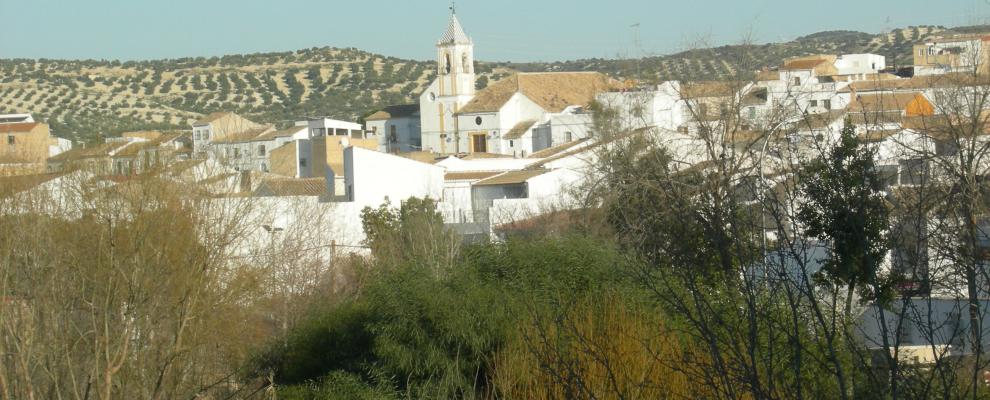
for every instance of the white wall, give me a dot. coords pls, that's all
(370, 177)
(853, 64)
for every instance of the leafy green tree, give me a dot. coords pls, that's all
(845, 208)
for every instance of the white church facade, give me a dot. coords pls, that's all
(515, 116)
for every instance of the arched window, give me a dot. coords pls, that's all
(446, 63)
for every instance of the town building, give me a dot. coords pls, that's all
(25, 146)
(958, 53)
(397, 127)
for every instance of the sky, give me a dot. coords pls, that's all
(503, 30)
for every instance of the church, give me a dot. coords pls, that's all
(516, 116)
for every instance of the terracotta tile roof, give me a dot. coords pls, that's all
(802, 64)
(705, 89)
(248, 135)
(398, 111)
(765, 76)
(755, 97)
(18, 127)
(553, 91)
(745, 137)
(280, 133)
(465, 176)
(882, 102)
(551, 151)
(218, 178)
(135, 148)
(95, 151)
(10, 185)
(942, 127)
(209, 118)
(481, 156)
(874, 136)
(823, 64)
(916, 83)
(421, 156)
(519, 130)
(512, 177)
(277, 187)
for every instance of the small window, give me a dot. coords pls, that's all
(512, 143)
(261, 150)
(302, 163)
(814, 103)
(827, 104)
(264, 167)
(568, 136)
(797, 81)
(11, 139)
(912, 172)
(477, 120)
(237, 152)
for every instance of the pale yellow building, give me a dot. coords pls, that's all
(24, 148)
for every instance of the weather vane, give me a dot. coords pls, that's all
(453, 7)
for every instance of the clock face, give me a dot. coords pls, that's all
(433, 96)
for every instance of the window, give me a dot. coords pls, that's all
(827, 104)
(512, 143)
(921, 52)
(814, 103)
(797, 81)
(905, 333)
(568, 136)
(302, 163)
(752, 112)
(261, 150)
(887, 174)
(237, 152)
(912, 172)
(945, 148)
(465, 63)
(392, 134)
(11, 139)
(446, 63)
(264, 167)
(702, 110)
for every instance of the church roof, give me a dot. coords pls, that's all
(455, 33)
(553, 91)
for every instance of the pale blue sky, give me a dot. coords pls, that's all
(503, 30)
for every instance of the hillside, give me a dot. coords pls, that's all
(85, 99)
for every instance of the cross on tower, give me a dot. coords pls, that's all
(453, 7)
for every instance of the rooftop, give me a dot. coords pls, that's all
(209, 118)
(397, 111)
(519, 130)
(455, 33)
(277, 187)
(553, 91)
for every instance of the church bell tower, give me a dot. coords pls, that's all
(455, 60)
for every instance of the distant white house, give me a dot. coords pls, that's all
(398, 128)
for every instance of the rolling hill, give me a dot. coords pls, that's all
(86, 99)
